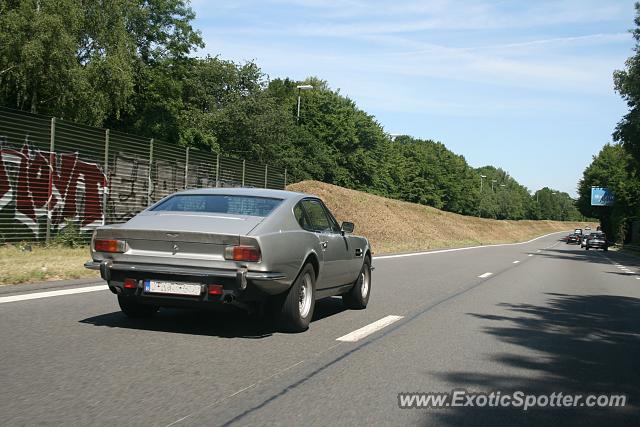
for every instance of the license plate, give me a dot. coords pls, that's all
(172, 288)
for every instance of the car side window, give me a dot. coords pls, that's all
(334, 223)
(317, 216)
(301, 217)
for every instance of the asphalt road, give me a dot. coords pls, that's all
(559, 320)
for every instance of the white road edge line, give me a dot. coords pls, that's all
(516, 262)
(47, 294)
(463, 249)
(358, 334)
(485, 275)
(37, 295)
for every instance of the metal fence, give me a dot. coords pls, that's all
(54, 173)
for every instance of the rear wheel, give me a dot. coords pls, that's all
(133, 308)
(297, 308)
(587, 247)
(358, 297)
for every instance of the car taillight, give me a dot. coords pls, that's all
(110, 245)
(242, 253)
(130, 283)
(215, 289)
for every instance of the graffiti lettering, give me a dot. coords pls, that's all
(35, 183)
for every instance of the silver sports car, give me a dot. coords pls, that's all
(252, 248)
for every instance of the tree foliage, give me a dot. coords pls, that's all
(127, 65)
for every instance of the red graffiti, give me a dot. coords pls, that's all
(62, 184)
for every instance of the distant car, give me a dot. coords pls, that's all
(597, 240)
(587, 228)
(253, 248)
(578, 231)
(573, 238)
(583, 240)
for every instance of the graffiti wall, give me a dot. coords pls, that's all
(35, 183)
(42, 190)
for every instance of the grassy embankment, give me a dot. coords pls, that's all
(390, 225)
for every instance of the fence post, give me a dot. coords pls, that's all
(149, 178)
(186, 167)
(105, 168)
(52, 147)
(285, 177)
(265, 175)
(217, 169)
(243, 165)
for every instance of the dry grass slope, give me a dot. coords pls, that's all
(396, 226)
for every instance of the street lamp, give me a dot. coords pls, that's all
(493, 181)
(300, 88)
(481, 178)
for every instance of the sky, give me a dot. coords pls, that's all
(522, 85)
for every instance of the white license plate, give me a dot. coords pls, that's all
(173, 288)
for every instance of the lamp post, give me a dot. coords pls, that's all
(493, 181)
(481, 178)
(301, 88)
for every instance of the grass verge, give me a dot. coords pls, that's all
(397, 226)
(43, 263)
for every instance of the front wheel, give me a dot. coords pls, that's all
(587, 247)
(358, 297)
(133, 308)
(297, 308)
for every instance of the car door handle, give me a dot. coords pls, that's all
(324, 244)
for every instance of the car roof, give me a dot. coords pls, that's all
(255, 192)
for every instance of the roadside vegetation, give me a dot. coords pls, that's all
(35, 263)
(132, 67)
(617, 166)
(398, 226)
(391, 226)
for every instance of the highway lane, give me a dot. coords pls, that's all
(560, 319)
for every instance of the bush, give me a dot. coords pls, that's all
(70, 236)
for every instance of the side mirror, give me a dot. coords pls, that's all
(347, 227)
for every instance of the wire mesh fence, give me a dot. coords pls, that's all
(55, 173)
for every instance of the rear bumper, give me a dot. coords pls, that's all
(240, 278)
(597, 245)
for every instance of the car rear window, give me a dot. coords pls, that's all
(219, 203)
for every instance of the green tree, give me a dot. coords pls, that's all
(610, 169)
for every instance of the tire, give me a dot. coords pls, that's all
(587, 247)
(296, 310)
(358, 297)
(132, 308)
(605, 249)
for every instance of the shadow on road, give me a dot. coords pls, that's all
(586, 344)
(224, 323)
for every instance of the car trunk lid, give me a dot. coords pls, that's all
(171, 237)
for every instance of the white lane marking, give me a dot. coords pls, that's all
(47, 294)
(485, 275)
(530, 254)
(538, 251)
(516, 262)
(462, 249)
(358, 334)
